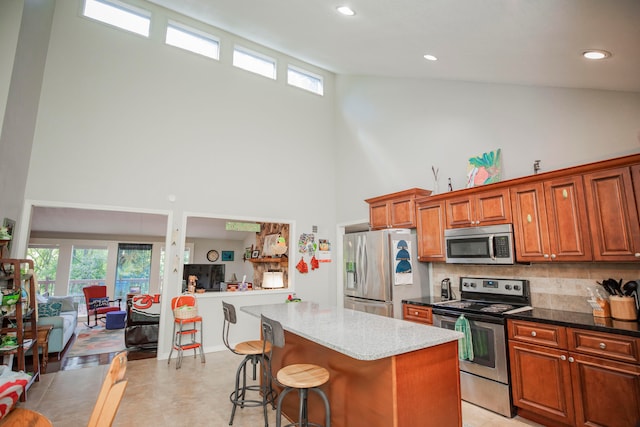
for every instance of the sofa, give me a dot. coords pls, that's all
(143, 321)
(64, 324)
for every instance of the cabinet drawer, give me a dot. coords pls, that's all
(416, 313)
(613, 346)
(538, 333)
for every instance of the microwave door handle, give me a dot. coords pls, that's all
(491, 249)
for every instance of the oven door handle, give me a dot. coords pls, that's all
(498, 320)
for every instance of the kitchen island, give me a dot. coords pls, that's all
(384, 372)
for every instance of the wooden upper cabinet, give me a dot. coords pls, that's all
(550, 221)
(395, 210)
(379, 216)
(612, 206)
(530, 227)
(430, 217)
(482, 208)
(567, 219)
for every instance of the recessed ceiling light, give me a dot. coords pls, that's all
(596, 54)
(430, 57)
(345, 10)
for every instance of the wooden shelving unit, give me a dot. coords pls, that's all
(12, 277)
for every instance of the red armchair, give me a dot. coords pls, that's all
(98, 303)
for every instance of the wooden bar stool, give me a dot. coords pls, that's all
(301, 377)
(185, 327)
(254, 353)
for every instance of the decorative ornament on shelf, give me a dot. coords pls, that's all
(191, 288)
(280, 248)
(436, 182)
(5, 233)
(536, 167)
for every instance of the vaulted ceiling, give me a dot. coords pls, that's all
(530, 42)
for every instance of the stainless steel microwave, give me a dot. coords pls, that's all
(491, 244)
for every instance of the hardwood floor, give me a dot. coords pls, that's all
(62, 362)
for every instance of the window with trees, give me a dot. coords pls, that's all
(45, 266)
(133, 269)
(88, 267)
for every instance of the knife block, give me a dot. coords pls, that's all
(623, 308)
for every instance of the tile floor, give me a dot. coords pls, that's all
(159, 395)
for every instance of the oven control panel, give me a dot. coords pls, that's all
(512, 287)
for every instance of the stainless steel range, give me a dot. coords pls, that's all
(485, 379)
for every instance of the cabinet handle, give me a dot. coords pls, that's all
(529, 219)
(533, 333)
(416, 313)
(546, 255)
(563, 357)
(637, 255)
(553, 256)
(603, 345)
(571, 359)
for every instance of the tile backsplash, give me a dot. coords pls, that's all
(558, 286)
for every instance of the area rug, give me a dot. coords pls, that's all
(96, 341)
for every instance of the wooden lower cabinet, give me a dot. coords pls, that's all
(605, 393)
(541, 379)
(582, 383)
(417, 313)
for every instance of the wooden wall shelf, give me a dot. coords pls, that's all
(282, 260)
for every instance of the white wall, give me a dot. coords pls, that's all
(10, 17)
(391, 132)
(20, 106)
(128, 121)
(202, 246)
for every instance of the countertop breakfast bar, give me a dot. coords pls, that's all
(384, 372)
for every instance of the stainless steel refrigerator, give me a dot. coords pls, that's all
(380, 269)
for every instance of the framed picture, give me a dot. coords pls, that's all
(227, 255)
(247, 252)
(255, 254)
(10, 225)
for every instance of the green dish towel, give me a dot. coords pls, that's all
(465, 344)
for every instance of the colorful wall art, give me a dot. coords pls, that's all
(485, 169)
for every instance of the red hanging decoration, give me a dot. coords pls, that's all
(314, 263)
(302, 266)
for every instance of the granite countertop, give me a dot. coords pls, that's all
(558, 317)
(579, 320)
(362, 336)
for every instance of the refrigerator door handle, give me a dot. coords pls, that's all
(364, 262)
(357, 269)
